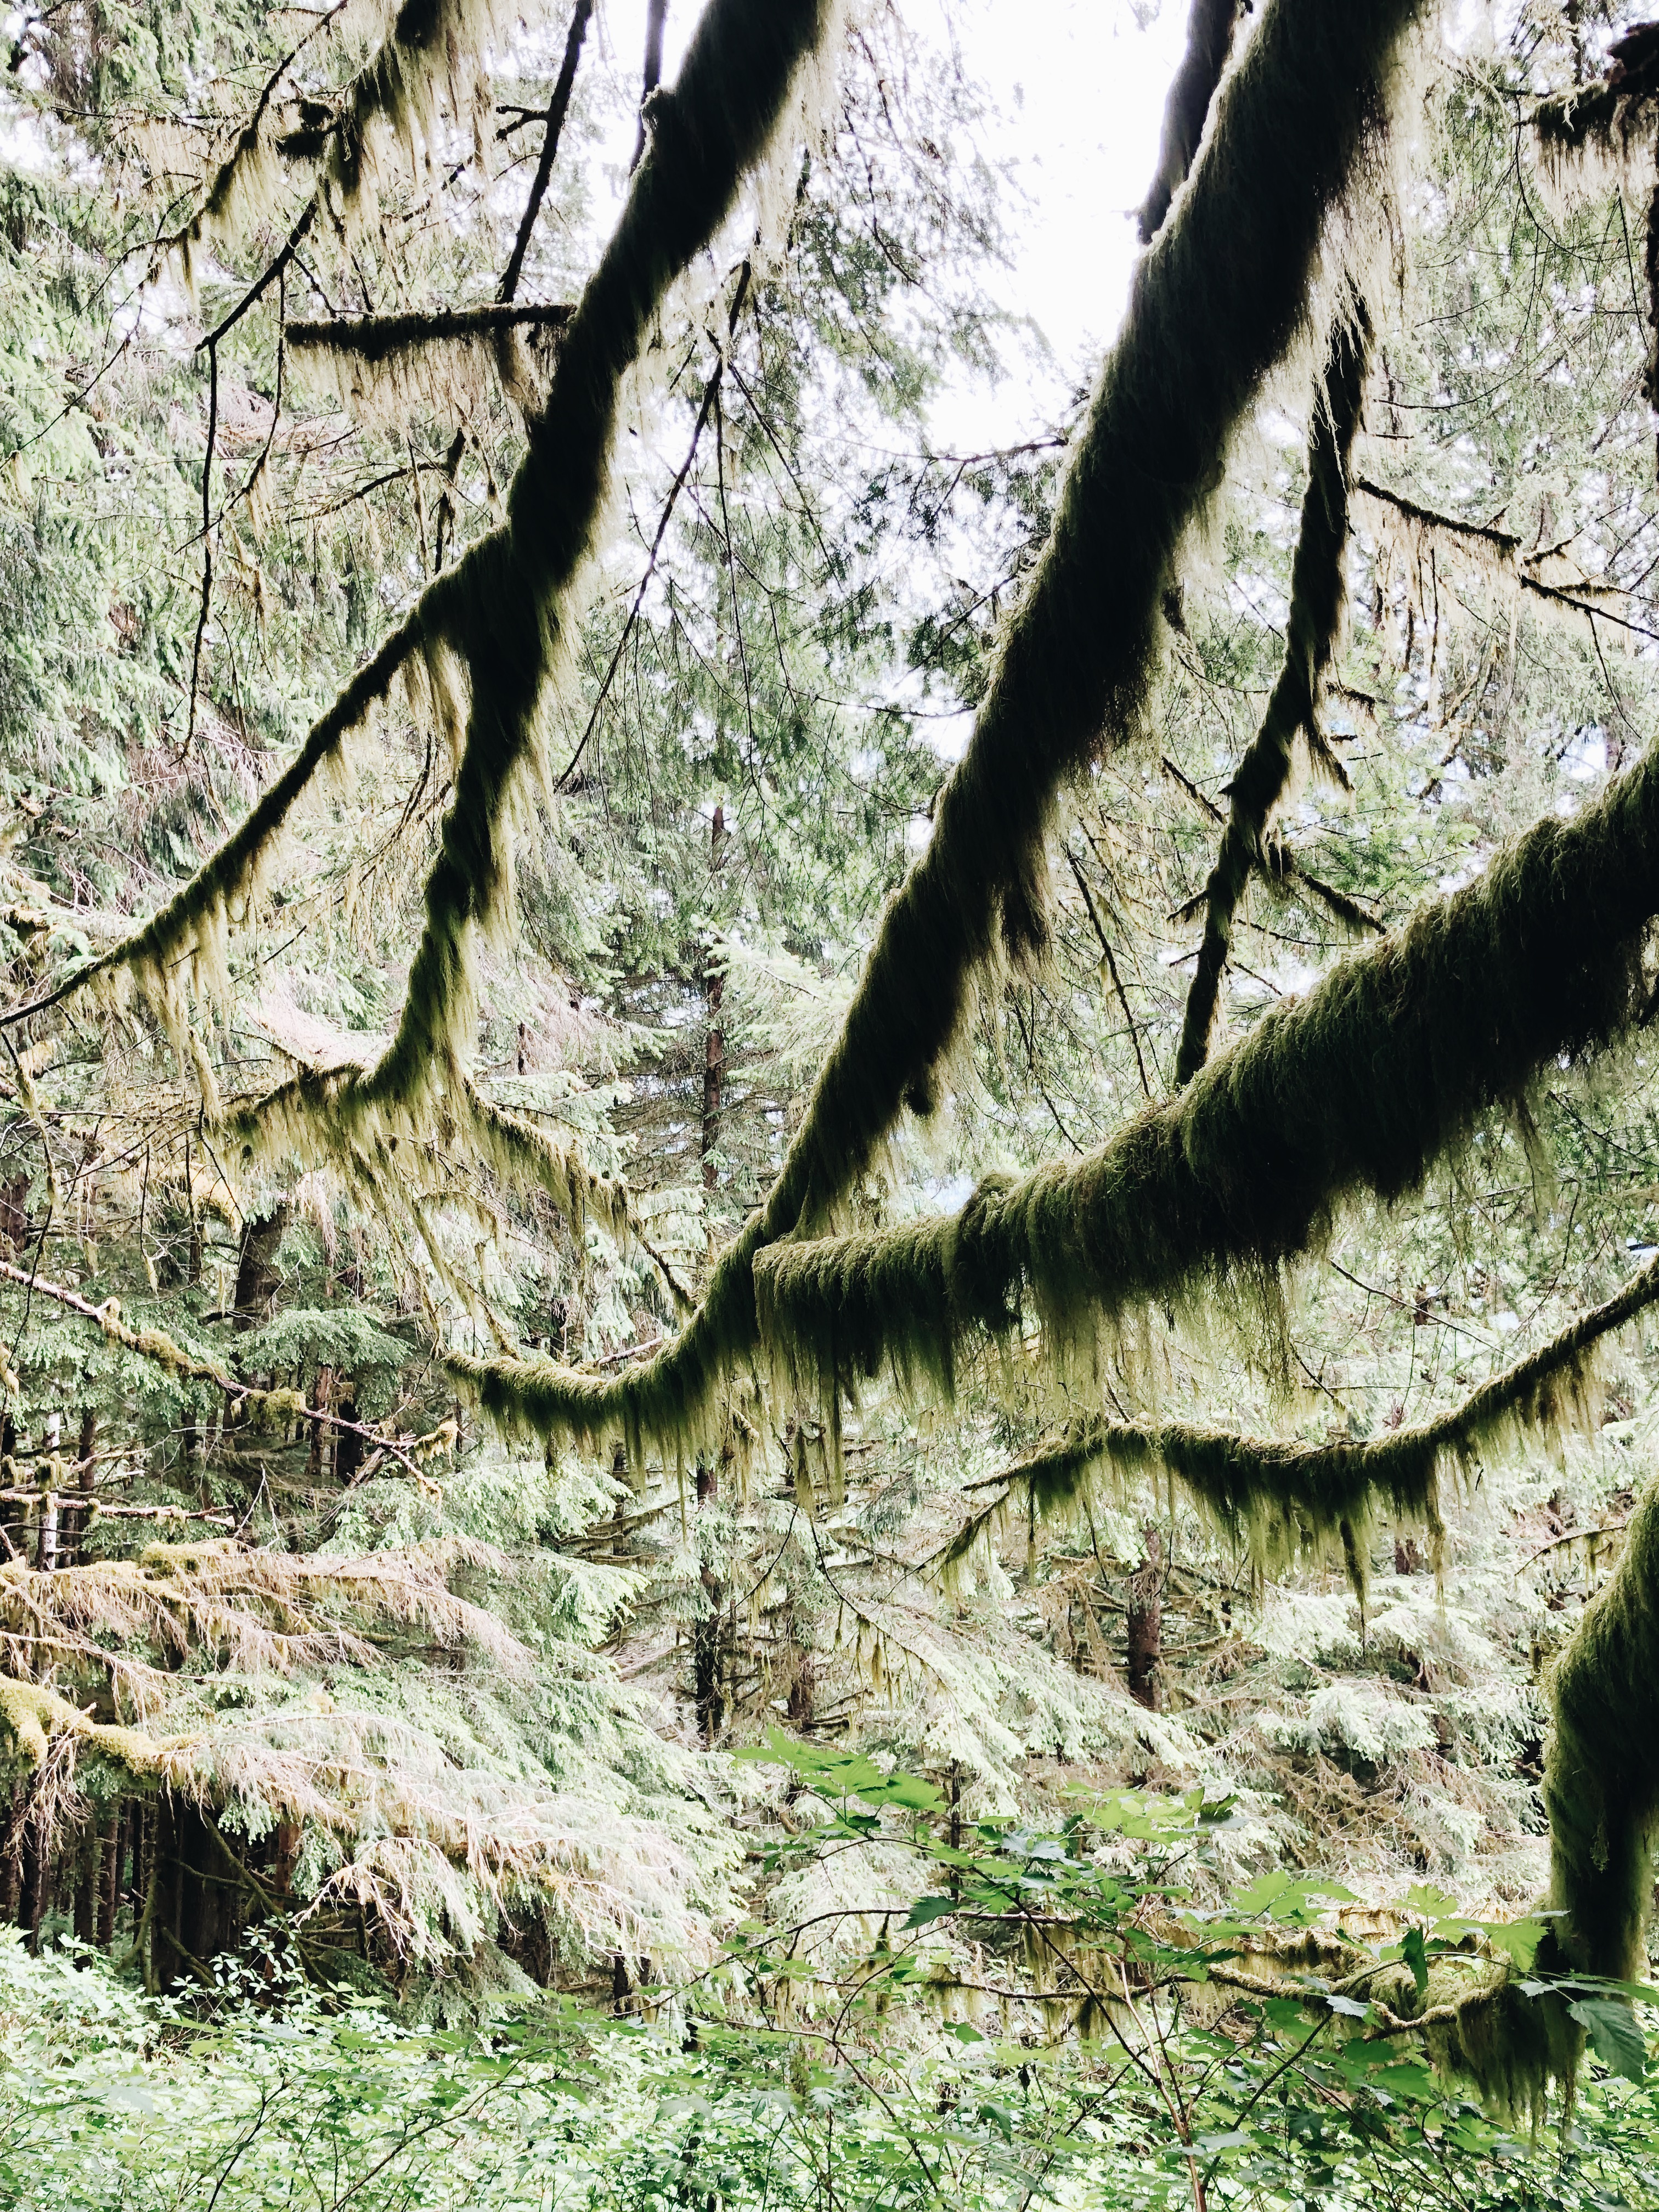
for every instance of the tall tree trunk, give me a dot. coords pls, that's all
(77, 1519)
(347, 1443)
(89, 1884)
(1145, 1622)
(713, 1070)
(708, 1635)
(109, 1896)
(322, 1398)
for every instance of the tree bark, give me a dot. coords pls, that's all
(1145, 1623)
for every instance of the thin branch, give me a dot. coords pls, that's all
(552, 127)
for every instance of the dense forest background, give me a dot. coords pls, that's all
(683, 1077)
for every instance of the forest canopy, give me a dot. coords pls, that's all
(827, 1265)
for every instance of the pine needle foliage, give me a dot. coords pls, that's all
(1318, 590)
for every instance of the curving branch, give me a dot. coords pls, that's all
(1318, 589)
(1216, 301)
(1285, 1497)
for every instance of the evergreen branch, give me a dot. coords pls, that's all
(1317, 592)
(156, 1346)
(1216, 300)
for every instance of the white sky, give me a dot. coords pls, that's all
(1079, 87)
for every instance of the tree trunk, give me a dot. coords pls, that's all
(1145, 1623)
(707, 1637)
(109, 1896)
(348, 1444)
(322, 1397)
(713, 1069)
(89, 1886)
(77, 1519)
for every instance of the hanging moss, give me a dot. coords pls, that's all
(1284, 1498)
(1210, 30)
(1602, 1778)
(432, 48)
(304, 1114)
(508, 619)
(1318, 588)
(391, 366)
(1607, 121)
(1217, 300)
(1357, 1087)
(501, 612)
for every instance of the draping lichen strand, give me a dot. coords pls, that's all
(1217, 300)
(1358, 1088)
(430, 47)
(1317, 592)
(1210, 29)
(1285, 1497)
(1602, 1777)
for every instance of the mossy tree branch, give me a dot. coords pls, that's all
(1217, 300)
(1602, 1777)
(1210, 29)
(1283, 1495)
(1318, 588)
(1357, 1088)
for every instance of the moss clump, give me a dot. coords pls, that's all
(391, 366)
(34, 1716)
(1317, 591)
(1216, 302)
(1357, 1087)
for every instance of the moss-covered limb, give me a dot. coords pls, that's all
(34, 1715)
(1283, 1495)
(1601, 1776)
(396, 366)
(1318, 588)
(731, 94)
(379, 337)
(1357, 1087)
(188, 931)
(242, 185)
(1216, 300)
(667, 1402)
(1604, 116)
(1210, 28)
